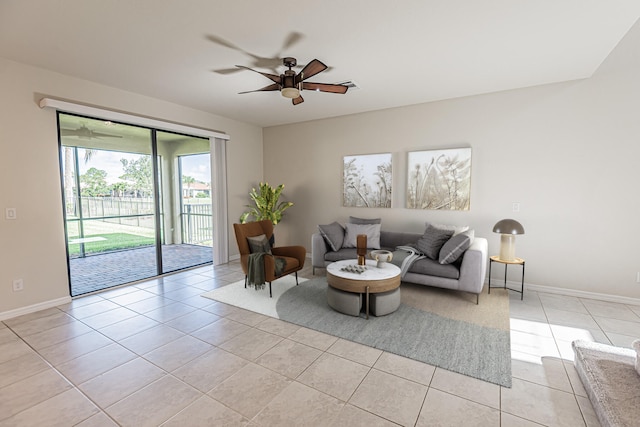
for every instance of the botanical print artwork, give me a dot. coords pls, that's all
(439, 179)
(367, 181)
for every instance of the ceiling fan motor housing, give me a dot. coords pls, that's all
(290, 89)
(288, 79)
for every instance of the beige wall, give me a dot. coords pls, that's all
(568, 153)
(32, 246)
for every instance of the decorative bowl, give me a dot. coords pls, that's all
(381, 256)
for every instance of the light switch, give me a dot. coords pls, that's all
(10, 213)
(516, 207)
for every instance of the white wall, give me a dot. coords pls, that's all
(32, 246)
(568, 153)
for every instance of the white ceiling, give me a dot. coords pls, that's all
(400, 53)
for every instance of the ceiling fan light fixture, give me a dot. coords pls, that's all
(290, 92)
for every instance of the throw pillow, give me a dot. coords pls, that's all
(455, 247)
(355, 220)
(259, 244)
(432, 240)
(371, 230)
(457, 229)
(333, 234)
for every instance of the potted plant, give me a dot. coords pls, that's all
(266, 204)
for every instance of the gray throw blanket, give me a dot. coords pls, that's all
(255, 268)
(404, 257)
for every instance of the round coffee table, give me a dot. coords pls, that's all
(372, 281)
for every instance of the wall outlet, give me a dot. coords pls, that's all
(18, 285)
(10, 213)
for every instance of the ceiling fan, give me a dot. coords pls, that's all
(258, 61)
(291, 84)
(84, 132)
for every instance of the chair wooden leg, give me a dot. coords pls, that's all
(296, 278)
(245, 281)
(270, 295)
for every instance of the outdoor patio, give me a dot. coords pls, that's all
(97, 272)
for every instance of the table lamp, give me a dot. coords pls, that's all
(508, 228)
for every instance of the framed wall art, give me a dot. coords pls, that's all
(439, 179)
(367, 181)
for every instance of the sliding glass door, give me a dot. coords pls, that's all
(187, 224)
(122, 192)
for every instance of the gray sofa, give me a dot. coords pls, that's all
(466, 274)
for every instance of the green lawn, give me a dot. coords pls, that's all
(106, 242)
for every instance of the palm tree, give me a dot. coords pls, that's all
(186, 179)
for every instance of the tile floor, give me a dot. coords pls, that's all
(156, 353)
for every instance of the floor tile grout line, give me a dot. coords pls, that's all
(370, 368)
(469, 400)
(256, 363)
(68, 380)
(555, 340)
(141, 356)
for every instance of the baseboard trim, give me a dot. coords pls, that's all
(584, 294)
(571, 292)
(33, 308)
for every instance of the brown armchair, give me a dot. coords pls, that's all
(294, 256)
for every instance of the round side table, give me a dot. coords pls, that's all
(516, 261)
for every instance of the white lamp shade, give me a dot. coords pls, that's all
(290, 92)
(508, 228)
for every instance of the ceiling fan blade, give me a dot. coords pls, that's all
(272, 77)
(293, 38)
(311, 69)
(274, 86)
(85, 132)
(103, 135)
(298, 100)
(226, 71)
(324, 87)
(222, 42)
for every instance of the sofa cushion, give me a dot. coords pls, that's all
(259, 244)
(344, 253)
(455, 247)
(333, 234)
(392, 239)
(432, 267)
(356, 220)
(371, 230)
(433, 239)
(457, 229)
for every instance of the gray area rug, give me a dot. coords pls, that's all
(439, 327)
